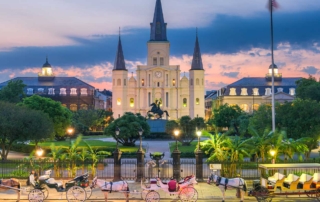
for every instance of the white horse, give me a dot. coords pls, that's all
(105, 186)
(225, 183)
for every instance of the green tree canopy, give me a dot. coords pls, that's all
(13, 92)
(308, 88)
(129, 125)
(21, 124)
(60, 116)
(226, 116)
(261, 121)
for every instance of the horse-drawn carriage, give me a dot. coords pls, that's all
(77, 189)
(288, 179)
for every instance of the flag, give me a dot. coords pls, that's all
(272, 4)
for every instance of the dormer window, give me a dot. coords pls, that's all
(40, 90)
(51, 91)
(268, 91)
(73, 91)
(255, 91)
(84, 91)
(233, 91)
(29, 91)
(244, 91)
(63, 91)
(292, 91)
(280, 90)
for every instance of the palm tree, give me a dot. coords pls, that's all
(215, 146)
(290, 146)
(57, 156)
(73, 155)
(261, 143)
(83, 156)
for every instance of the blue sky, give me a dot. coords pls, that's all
(80, 37)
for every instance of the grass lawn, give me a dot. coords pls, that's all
(190, 148)
(93, 143)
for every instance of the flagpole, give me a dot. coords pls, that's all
(272, 63)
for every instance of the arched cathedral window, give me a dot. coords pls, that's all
(197, 101)
(184, 103)
(197, 82)
(131, 102)
(119, 82)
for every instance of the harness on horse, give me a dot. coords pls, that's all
(225, 182)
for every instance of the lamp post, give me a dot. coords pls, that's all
(176, 134)
(117, 134)
(39, 151)
(273, 152)
(199, 135)
(140, 131)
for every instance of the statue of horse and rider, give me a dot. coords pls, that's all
(155, 109)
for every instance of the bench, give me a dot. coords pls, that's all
(276, 177)
(52, 183)
(305, 181)
(291, 182)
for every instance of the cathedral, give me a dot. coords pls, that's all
(159, 81)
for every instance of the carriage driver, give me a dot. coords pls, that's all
(173, 185)
(32, 178)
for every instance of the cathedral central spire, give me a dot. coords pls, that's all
(158, 26)
(197, 60)
(119, 61)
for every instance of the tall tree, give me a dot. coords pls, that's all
(60, 116)
(226, 115)
(261, 121)
(21, 124)
(129, 125)
(308, 88)
(13, 92)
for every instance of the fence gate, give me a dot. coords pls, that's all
(188, 167)
(129, 169)
(161, 169)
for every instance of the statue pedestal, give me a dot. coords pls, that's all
(157, 125)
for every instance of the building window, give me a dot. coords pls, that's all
(40, 90)
(244, 91)
(84, 91)
(166, 79)
(124, 82)
(244, 107)
(191, 82)
(73, 91)
(280, 90)
(64, 105)
(29, 91)
(154, 61)
(184, 102)
(232, 91)
(197, 101)
(142, 82)
(63, 91)
(255, 107)
(73, 107)
(161, 61)
(51, 91)
(292, 91)
(268, 91)
(119, 101)
(118, 82)
(197, 82)
(84, 107)
(131, 102)
(149, 98)
(256, 91)
(173, 82)
(158, 84)
(167, 99)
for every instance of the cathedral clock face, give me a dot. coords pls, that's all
(158, 74)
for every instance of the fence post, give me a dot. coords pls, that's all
(176, 164)
(117, 165)
(199, 165)
(140, 165)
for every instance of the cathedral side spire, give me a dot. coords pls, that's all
(119, 63)
(197, 60)
(158, 26)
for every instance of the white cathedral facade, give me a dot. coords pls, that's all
(159, 80)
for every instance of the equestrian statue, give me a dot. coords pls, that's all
(155, 109)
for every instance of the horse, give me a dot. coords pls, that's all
(12, 183)
(225, 183)
(105, 186)
(156, 110)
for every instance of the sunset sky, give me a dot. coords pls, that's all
(80, 37)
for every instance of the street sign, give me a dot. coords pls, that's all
(215, 166)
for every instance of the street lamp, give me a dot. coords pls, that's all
(140, 131)
(117, 134)
(272, 152)
(176, 133)
(39, 151)
(199, 135)
(70, 131)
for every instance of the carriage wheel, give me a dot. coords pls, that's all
(262, 194)
(188, 194)
(152, 196)
(36, 195)
(88, 192)
(144, 193)
(76, 193)
(317, 194)
(45, 192)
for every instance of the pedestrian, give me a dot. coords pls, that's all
(173, 185)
